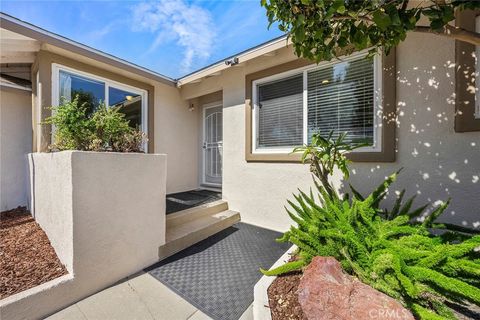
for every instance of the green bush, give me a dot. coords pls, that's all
(401, 259)
(104, 129)
(385, 248)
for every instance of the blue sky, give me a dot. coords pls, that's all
(172, 37)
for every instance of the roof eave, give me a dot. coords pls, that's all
(244, 56)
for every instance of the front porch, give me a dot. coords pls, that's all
(193, 216)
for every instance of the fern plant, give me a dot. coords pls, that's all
(385, 250)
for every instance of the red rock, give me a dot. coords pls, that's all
(327, 293)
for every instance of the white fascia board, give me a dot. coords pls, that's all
(242, 57)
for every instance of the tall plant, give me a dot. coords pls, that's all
(324, 154)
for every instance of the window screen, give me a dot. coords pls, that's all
(280, 114)
(340, 98)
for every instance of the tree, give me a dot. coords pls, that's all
(324, 29)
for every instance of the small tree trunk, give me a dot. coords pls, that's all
(323, 176)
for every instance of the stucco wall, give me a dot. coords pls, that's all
(176, 135)
(438, 163)
(52, 200)
(15, 143)
(104, 214)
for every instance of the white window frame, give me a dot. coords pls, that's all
(377, 108)
(56, 68)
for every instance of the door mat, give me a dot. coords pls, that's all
(217, 275)
(189, 199)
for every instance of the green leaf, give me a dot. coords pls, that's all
(299, 34)
(381, 19)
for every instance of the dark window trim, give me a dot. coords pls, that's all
(387, 153)
(465, 120)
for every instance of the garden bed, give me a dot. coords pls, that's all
(283, 298)
(27, 258)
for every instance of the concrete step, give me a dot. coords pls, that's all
(184, 216)
(198, 228)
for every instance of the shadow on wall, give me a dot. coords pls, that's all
(438, 163)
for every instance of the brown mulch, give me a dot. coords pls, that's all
(27, 258)
(283, 299)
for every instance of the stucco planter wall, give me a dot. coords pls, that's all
(261, 309)
(104, 214)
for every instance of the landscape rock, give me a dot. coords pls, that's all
(326, 292)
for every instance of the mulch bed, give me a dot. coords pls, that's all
(27, 258)
(283, 299)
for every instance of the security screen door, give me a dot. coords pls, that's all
(212, 146)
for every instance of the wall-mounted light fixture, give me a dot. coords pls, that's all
(232, 62)
(191, 107)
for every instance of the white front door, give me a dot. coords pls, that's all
(212, 145)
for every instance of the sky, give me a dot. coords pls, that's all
(171, 37)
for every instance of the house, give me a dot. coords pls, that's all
(232, 124)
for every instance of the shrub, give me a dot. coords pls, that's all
(73, 128)
(401, 259)
(105, 129)
(386, 249)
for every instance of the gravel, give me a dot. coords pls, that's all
(27, 258)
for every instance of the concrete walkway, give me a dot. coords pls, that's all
(141, 297)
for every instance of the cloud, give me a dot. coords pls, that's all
(100, 33)
(190, 26)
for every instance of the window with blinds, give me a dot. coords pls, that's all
(280, 113)
(341, 98)
(338, 96)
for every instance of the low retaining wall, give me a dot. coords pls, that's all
(261, 308)
(104, 214)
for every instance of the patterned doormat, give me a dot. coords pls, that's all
(189, 199)
(217, 275)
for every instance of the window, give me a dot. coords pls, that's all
(129, 103)
(93, 91)
(341, 96)
(280, 112)
(89, 92)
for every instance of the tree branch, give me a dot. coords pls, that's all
(453, 32)
(362, 18)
